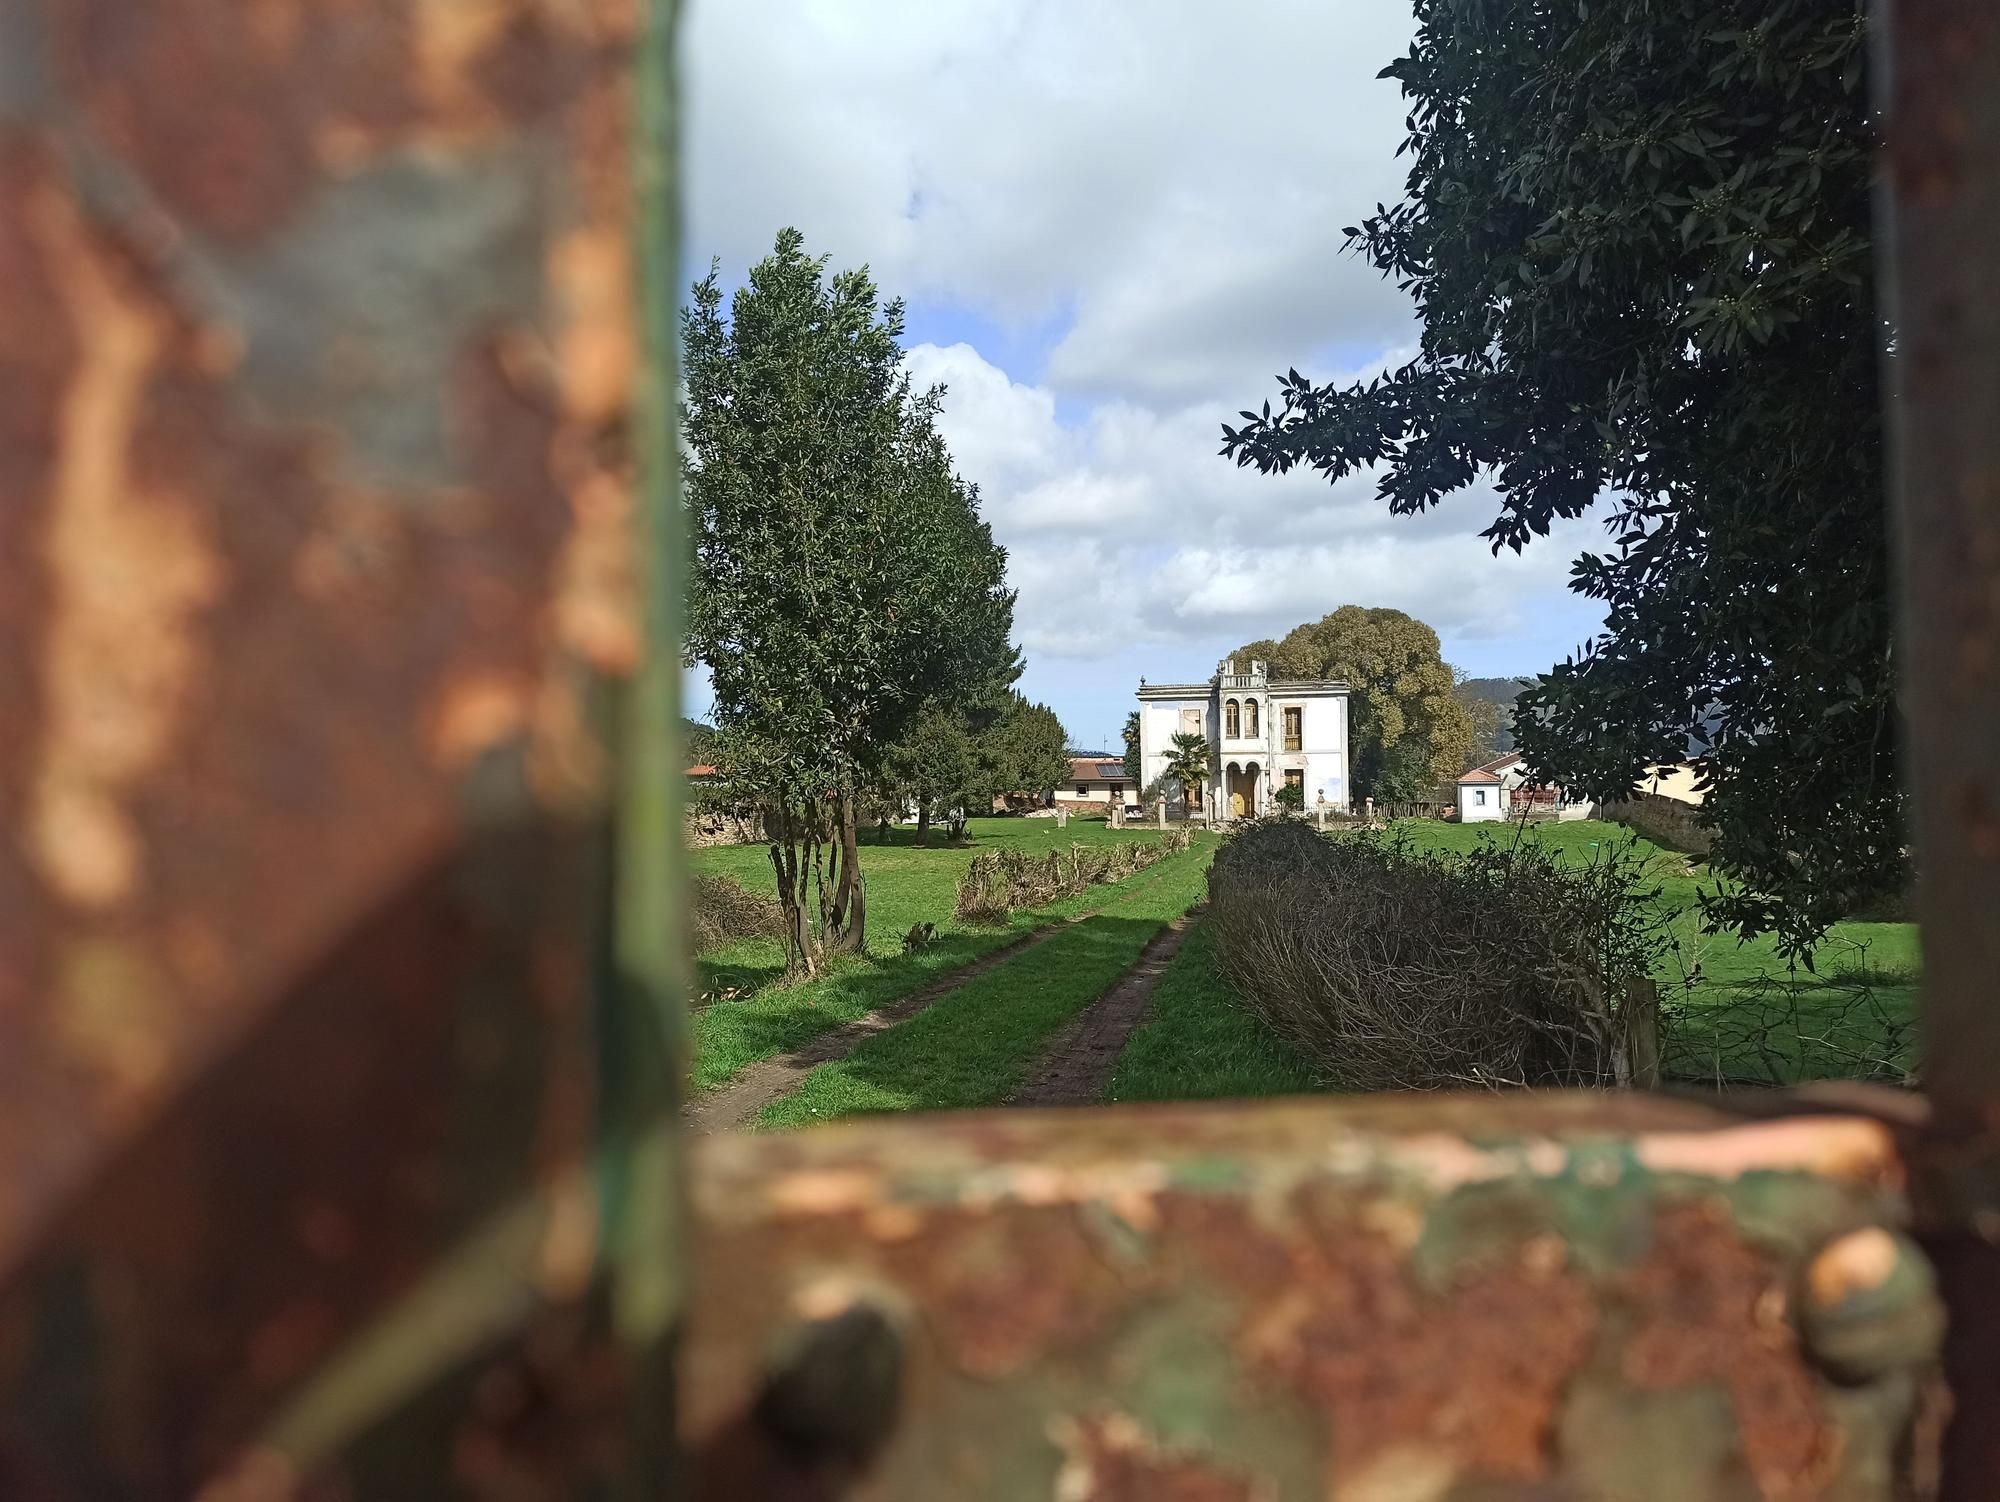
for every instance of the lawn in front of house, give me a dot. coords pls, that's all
(907, 885)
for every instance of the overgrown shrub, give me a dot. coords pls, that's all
(997, 882)
(1396, 968)
(724, 910)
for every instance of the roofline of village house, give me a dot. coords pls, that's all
(1276, 686)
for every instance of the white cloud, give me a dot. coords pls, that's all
(1130, 519)
(1164, 186)
(1176, 173)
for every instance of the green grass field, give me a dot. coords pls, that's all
(1199, 1043)
(1742, 1014)
(972, 1046)
(1735, 1012)
(906, 886)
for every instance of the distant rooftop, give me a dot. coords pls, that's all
(1096, 769)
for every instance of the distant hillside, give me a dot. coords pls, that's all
(1502, 692)
(700, 740)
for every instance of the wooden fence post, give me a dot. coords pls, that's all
(1639, 1034)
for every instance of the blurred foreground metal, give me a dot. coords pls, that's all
(339, 933)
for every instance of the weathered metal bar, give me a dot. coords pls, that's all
(328, 1085)
(1416, 1298)
(1940, 221)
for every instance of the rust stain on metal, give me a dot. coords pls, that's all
(132, 572)
(1709, 1309)
(303, 762)
(1334, 1313)
(475, 715)
(1109, 1457)
(1427, 1311)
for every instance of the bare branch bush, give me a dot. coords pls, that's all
(998, 882)
(723, 910)
(1396, 968)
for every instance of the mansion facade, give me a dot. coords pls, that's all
(1262, 735)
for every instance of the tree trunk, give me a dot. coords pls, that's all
(923, 821)
(847, 929)
(793, 874)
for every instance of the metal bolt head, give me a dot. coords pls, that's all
(833, 1386)
(1868, 1305)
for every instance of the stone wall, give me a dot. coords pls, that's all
(707, 826)
(1664, 821)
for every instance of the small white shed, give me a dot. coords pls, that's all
(1482, 798)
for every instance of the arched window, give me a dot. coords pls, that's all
(1231, 721)
(1250, 719)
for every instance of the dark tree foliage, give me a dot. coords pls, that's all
(843, 580)
(955, 760)
(1134, 773)
(1637, 234)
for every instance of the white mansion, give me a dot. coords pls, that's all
(1262, 734)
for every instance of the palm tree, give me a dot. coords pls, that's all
(1188, 765)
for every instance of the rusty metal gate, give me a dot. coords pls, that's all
(339, 928)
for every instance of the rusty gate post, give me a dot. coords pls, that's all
(1940, 80)
(335, 703)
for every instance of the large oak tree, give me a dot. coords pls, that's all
(1407, 733)
(1637, 234)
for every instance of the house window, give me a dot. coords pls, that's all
(1295, 728)
(1479, 797)
(1250, 731)
(1295, 777)
(1232, 724)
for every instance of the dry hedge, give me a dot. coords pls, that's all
(1401, 969)
(999, 881)
(723, 910)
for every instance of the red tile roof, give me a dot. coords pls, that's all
(1477, 774)
(703, 770)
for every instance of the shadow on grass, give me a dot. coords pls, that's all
(779, 1017)
(1787, 1032)
(974, 1045)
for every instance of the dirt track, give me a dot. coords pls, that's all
(736, 1103)
(1079, 1061)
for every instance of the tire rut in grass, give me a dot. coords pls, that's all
(1077, 1065)
(738, 1102)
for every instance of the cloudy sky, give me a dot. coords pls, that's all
(1113, 224)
